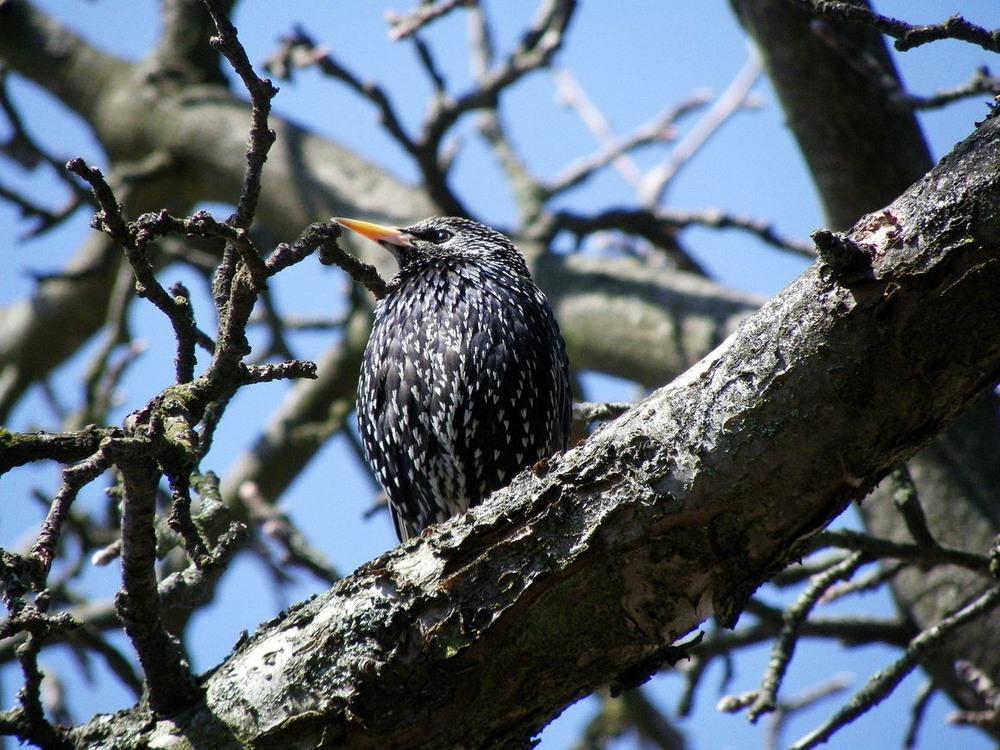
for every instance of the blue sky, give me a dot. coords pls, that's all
(634, 58)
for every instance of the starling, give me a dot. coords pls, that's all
(465, 380)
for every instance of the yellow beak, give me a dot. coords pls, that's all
(376, 232)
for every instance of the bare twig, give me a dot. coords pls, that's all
(784, 646)
(171, 685)
(734, 98)
(787, 709)
(422, 15)
(885, 681)
(884, 548)
(917, 713)
(261, 91)
(907, 36)
(74, 478)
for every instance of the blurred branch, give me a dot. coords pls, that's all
(22, 148)
(424, 14)
(630, 713)
(884, 548)
(986, 689)
(736, 96)
(616, 150)
(918, 712)
(787, 709)
(660, 227)
(277, 526)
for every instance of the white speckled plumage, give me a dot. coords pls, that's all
(464, 380)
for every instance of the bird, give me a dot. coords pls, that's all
(465, 380)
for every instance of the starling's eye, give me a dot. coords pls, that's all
(437, 236)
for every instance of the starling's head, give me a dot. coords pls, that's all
(442, 239)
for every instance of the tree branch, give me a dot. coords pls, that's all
(674, 511)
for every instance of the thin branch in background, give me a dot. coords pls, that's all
(277, 526)
(482, 49)
(571, 94)
(299, 50)
(918, 712)
(23, 149)
(803, 570)
(650, 225)
(884, 548)
(526, 189)
(907, 502)
(734, 98)
(693, 670)
(537, 46)
(885, 681)
(660, 227)
(907, 36)
(794, 617)
(29, 210)
(87, 640)
(871, 582)
(424, 14)
(789, 708)
(631, 713)
(986, 689)
(535, 50)
(273, 321)
(292, 322)
(981, 83)
(763, 230)
(430, 66)
(106, 369)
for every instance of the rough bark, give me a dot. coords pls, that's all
(480, 632)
